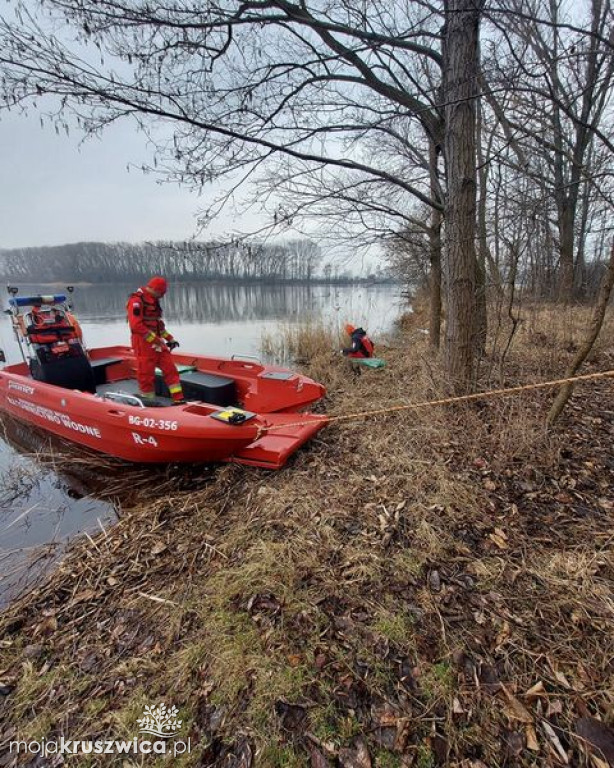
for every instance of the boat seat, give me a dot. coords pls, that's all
(207, 387)
(99, 368)
(74, 372)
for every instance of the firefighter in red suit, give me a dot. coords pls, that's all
(151, 342)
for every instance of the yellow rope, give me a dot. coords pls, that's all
(450, 400)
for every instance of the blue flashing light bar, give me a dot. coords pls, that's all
(34, 301)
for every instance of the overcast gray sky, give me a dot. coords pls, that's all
(60, 189)
(57, 189)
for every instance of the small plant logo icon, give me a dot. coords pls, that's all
(160, 721)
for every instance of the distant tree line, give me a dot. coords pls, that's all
(293, 261)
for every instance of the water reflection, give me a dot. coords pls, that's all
(222, 303)
(52, 490)
(43, 504)
(226, 319)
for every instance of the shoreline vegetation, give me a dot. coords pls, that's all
(416, 589)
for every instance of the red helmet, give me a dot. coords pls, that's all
(157, 285)
(349, 328)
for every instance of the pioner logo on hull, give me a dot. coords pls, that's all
(25, 388)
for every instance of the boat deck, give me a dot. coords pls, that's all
(129, 387)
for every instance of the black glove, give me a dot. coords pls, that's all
(172, 344)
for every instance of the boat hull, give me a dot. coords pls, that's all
(184, 433)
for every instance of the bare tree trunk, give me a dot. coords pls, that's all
(435, 253)
(511, 293)
(481, 317)
(580, 263)
(435, 279)
(566, 249)
(593, 331)
(460, 93)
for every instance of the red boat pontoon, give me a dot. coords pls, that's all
(237, 410)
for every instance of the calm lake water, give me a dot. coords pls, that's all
(41, 508)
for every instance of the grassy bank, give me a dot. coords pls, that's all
(415, 589)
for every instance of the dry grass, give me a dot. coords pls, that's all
(401, 586)
(300, 341)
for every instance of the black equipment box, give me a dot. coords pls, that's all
(207, 387)
(73, 372)
(99, 368)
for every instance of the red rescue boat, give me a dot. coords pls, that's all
(237, 410)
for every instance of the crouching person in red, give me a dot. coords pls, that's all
(151, 342)
(362, 346)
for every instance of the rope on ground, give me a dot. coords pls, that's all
(452, 400)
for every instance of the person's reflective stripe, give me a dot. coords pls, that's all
(174, 389)
(150, 336)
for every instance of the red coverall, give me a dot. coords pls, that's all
(362, 346)
(148, 342)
